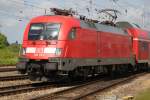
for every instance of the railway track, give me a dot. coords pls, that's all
(7, 69)
(13, 78)
(85, 90)
(17, 89)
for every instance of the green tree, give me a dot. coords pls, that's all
(3, 41)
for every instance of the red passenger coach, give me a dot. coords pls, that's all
(141, 42)
(58, 46)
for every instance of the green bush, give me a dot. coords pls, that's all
(9, 55)
(14, 48)
(3, 41)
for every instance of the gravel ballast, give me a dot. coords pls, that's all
(29, 95)
(131, 88)
(12, 73)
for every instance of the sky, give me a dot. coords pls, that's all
(15, 14)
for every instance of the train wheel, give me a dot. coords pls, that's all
(79, 73)
(93, 70)
(22, 71)
(146, 67)
(85, 74)
(143, 67)
(132, 69)
(33, 77)
(34, 72)
(73, 75)
(111, 72)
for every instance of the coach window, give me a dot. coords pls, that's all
(144, 46)
(72, 34)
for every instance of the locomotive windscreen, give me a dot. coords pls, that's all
(44, 31)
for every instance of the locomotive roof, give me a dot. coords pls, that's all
(125, 25)
(102, 27)
(47, 17)
(86, 24)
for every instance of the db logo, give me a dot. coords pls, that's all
(39, 55)
(39, 50)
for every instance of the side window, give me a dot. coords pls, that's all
(144, 46)
(72, 34)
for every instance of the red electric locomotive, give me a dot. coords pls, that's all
(55, 46)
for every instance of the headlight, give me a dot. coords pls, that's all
(58, 51)
(22, 51)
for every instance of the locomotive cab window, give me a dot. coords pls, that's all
(35, 31)
(72, 34)
(44, 31)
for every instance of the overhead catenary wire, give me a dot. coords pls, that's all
(4, 13)
(21, 13)
(29, 4)
(18, 13)
(81, 8)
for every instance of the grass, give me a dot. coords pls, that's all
(145, 95)
(9, 55)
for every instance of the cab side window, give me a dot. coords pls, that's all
(72, 34)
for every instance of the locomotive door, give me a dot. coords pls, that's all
(74, 44)
(143, 50)
(149, 53)
(98, 44)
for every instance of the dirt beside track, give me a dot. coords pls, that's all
(29, 95)
(131, 88)
(12, 73)
(7, 66)
(11, 83)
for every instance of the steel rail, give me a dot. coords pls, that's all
(52, 95)
(7, 69)
(13, 78)
(101, 89)
(13, 90)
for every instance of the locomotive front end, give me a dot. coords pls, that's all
(41, 51)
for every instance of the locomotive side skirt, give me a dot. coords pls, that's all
(69, 64)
